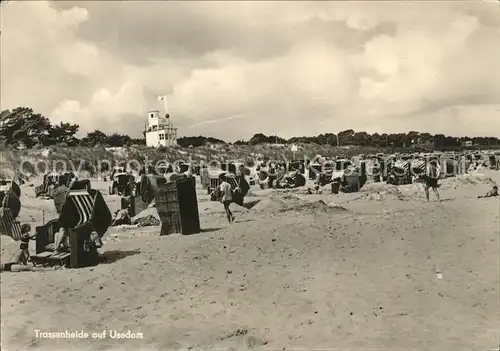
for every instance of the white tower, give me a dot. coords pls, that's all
(160, 131)
(153, 120)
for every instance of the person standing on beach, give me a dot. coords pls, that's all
(227, 196)
(431, 179)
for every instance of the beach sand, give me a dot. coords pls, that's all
(376, 270)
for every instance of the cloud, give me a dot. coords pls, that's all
(232, 69)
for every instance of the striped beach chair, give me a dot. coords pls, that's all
(418, 167)
(82, 207)
(77, 209)
(8, 226)
(215, 183)
(11, 201)
(401, 169)
(232, 181)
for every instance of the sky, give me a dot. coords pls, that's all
(233, 69)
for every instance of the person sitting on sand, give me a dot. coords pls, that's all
(17, 264)
(492, 193)
(19, 259)
(227, 196)
(22, 256)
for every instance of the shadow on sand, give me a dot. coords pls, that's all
(209, 230)
(244, 220)
(251, 204)
(446, 199)
(115, 255)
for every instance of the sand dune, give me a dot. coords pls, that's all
(379, 269)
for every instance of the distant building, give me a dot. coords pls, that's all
(160, 131)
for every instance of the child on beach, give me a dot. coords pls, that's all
(431, 179)
(227, 197)
(491, 193)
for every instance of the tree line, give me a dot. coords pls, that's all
(23, 126)
(352, 138)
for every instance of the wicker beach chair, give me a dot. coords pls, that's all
(6, 186)
(8, 225)
(84, 206)
(45, 236)
(45, 253)
(83, 212)
(12, 202)
(49, 183)
(177, 207)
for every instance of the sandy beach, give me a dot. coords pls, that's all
(333, 121)
(375, 270)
